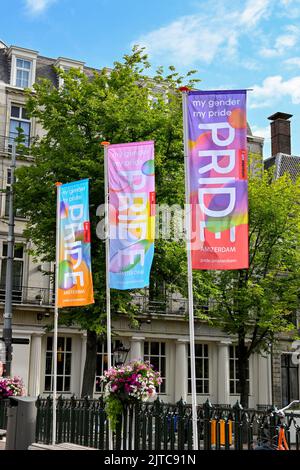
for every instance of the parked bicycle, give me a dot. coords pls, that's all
(279, 441)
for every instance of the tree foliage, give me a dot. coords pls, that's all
(121, 104)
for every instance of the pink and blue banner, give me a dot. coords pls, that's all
(131, 213)
(217, 170)
(75, 284)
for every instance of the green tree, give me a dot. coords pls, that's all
(255, 305)
(114, 105)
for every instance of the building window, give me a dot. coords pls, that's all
(234, 372)
(202, 369)
(101, 364)
(23, 72)
(19, 125)
(18, 266)
(64, 358)
(289, 379)
(155, 353)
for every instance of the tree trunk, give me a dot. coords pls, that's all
(90, 365)
(242, 369)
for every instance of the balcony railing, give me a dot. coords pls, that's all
(30, 295)
(169, 305)
(22, 144)
(41, 296)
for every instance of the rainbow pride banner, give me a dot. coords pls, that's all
(75, 285)
(131, 213)
(217, 170)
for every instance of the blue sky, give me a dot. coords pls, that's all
(233, 44)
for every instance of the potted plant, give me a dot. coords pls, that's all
(136, 381)
(11, 386)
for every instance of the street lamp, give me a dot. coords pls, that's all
(120, 354)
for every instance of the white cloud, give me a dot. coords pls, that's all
(264, 132)
(202, 36)
(282, 43)
(35, 7)
(273, 90)
(187, 39)
(293, 61)
(254, 11)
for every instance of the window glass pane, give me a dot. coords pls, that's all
(48, 383)
(199, 370)
(155, 362)
(60, 384)
(17, 275)
(205, 368)
(146, 348)
(67, 384)
(48, 363)
(154, 348)
(60, 363)
(162, 349)
(60, 343)
(68, 364)
(24, 114)
(18, 252)
(49, 343)
(232, 390)
(99, 368)
(163, 367)
(4, 249)
(69, 344)
(15, 111)
(20, 63)
(206, 386)
(206, 350)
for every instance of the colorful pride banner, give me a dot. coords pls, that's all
(75, 285)
(217, 168)
(131, 213)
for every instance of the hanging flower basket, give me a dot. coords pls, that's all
(11, 386)
(135, 382)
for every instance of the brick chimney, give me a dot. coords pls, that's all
(280, 133)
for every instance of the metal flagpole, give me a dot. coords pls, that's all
(190, 271)
(56, 314)
(7, 316)
(108, 319)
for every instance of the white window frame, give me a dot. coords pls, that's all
(205, 379)
(234, 379)
(19, 119)
(101, 355)
(16, 297)
(66, 64)
(64, 352)
(19, 53)
(162, 389)
(23, 70)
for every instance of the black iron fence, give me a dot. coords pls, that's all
(161, 426)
